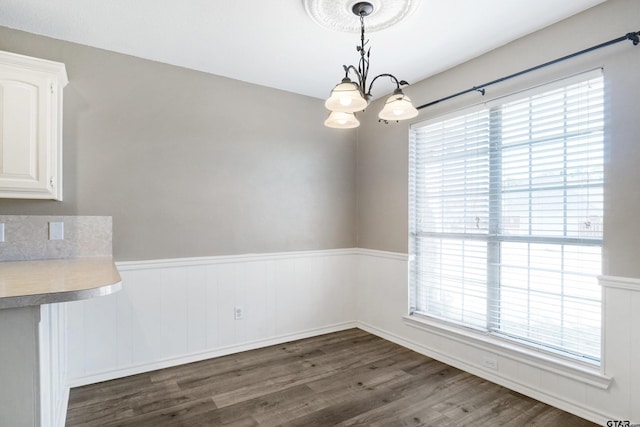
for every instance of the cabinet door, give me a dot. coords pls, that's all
(27, 157)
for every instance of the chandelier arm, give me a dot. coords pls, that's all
(348, 68)
(397, 82)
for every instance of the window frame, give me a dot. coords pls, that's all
(493, 238)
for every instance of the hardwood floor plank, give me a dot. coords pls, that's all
(194, 413)
(274, 408)
(359, 397)
(348, 378)
(416, 405)
(305, 368)
(96, 392)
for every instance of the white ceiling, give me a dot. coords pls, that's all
(275, 43)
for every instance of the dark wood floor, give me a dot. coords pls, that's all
(346, 378)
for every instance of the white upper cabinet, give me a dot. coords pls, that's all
(30, 127)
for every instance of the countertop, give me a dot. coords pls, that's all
(27, 283)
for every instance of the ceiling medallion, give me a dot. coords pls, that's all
(338, 14)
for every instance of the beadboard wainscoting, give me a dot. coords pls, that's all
(178, 311)
(611, 393)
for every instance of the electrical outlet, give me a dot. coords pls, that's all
(490, 362)
(56, 230)
(238, 312)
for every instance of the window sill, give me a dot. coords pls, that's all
(529, 356)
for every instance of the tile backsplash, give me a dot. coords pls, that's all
(27, 237)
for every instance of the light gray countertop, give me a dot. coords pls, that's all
(27, 283)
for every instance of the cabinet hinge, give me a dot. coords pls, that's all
(51, 182)
(52, 89)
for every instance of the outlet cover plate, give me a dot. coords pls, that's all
(490, 362)
(56, 230)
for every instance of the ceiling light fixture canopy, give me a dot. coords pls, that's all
(349, 97)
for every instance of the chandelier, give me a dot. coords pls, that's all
(349, 97)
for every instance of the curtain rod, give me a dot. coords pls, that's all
(634, 37)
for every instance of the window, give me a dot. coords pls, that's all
(506, 206)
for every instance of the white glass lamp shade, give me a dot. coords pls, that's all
(346, 97)
(398, 107)
(341, 120)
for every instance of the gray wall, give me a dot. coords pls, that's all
(191, 164)
(148, 144)
(382, 151)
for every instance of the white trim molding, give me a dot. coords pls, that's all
(227, 259)
(382, 254)
(627, 283)
(528, 356)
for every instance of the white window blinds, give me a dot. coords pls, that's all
(506, 206)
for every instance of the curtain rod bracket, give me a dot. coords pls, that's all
(479, 89)
(634, 37)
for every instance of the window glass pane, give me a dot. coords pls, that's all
(581, 327)
(581, 286)
(452, 175)
(550, 283)
(452, 277)
(585, 159)
(516, 213)
(514, 312)
(547, 164)
(514, 254)
(545, 319)
(583, 259)
(547, 213)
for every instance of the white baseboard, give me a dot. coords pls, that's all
(196, 357)
(452, 360)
